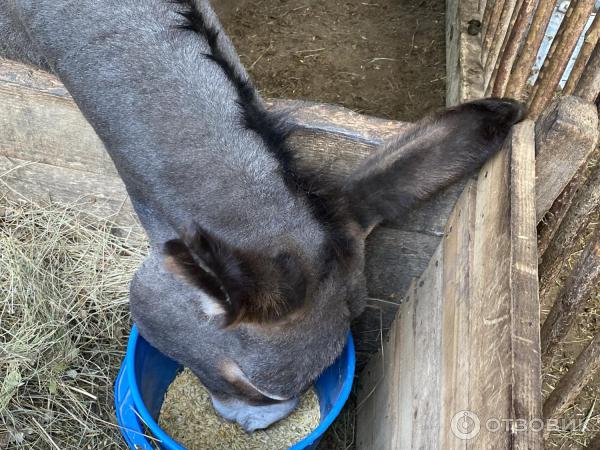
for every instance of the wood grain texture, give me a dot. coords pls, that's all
(517, 83)
(516, 36)
(475, 327)
(589, 44)
(588, 86)
(456, 315)
(427, 343)
(389, 425)
(498, 42)
(99, 195)
(490, 325)
(525, 311)
(566, 134)
(464, 72)
(555, 249)
(560, 52)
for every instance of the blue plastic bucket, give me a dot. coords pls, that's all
(146, 374)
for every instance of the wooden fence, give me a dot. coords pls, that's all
(461, 367)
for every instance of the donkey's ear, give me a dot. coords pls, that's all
(208, 263)
(431, 155)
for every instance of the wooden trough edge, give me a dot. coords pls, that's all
(465, 345)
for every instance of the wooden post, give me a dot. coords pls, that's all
(517, 81)
(464, 72)
(516, 36)
(558, 57)
(591, 39)
(588, 86)
(576, 291)
(469, 332)
(507, 19)
(566, 135)
(490, 26)
(579, 375)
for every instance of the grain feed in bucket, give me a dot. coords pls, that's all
(188, 416)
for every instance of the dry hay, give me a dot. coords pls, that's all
(187, 415)
(63, 326)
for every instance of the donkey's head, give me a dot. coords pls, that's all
(258, 325)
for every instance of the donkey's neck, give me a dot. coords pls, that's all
(169, 112)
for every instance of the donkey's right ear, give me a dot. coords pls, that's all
(432, 154)
(207, 263)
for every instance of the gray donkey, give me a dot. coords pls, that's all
(255, 270)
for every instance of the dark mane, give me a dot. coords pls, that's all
(274, 129)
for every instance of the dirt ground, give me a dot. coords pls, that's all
(379, 57)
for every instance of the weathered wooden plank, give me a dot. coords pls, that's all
(36, 125)
(395, 362)
(475, 325)
(490, 358)
(464, 73)
(427, 367)
(100, 195)
(504, 362)
(526, 394)
(455, 368)
(384, 247)
(566, 134)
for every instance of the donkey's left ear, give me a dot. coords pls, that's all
(434, 153)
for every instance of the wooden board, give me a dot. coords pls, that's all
(464, 72)
(474, 334)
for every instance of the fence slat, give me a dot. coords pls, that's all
(566, 136)
(517, 81)
(558, 57)
(588, 86)
(517, 35)
(490, 26)
(570, 385)
(581, 282)
(507, 18)
(526, 386)
(591, 39)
